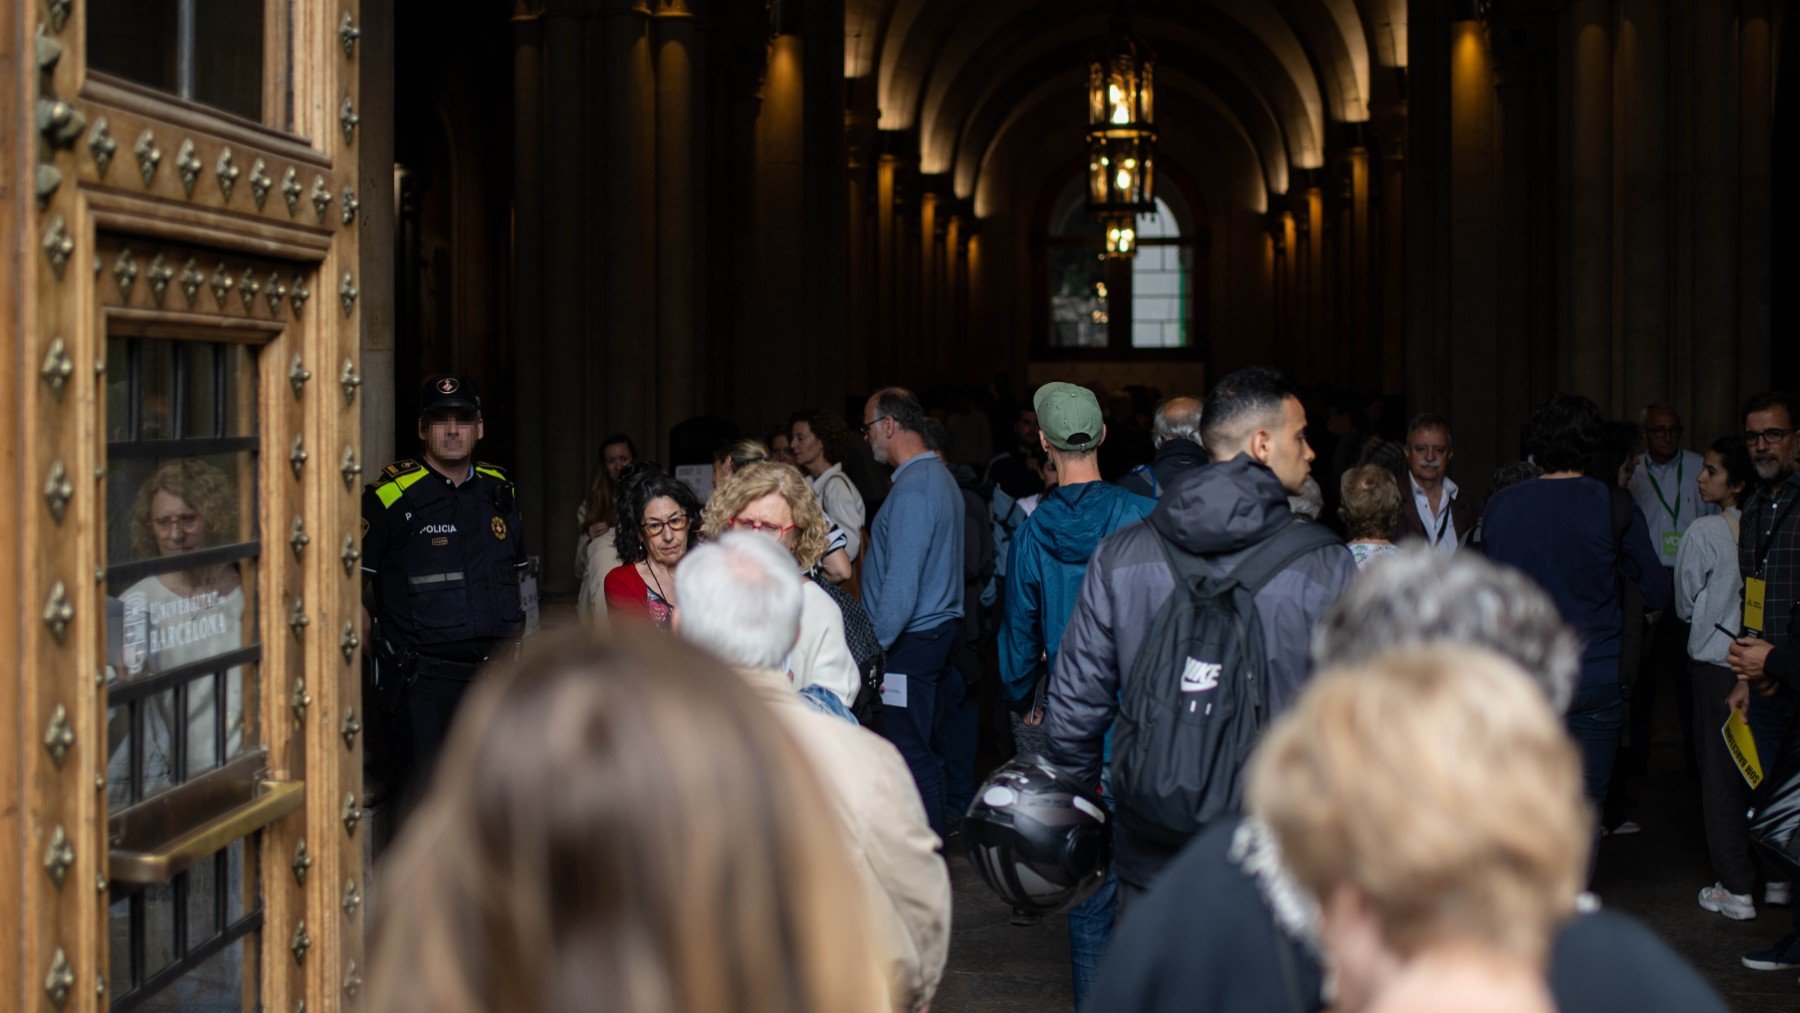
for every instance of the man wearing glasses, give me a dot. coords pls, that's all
(441, 557)
(1766, 656)
(1665, 487)
(913, 586)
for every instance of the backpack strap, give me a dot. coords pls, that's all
(1263, 562)
(1279, 552)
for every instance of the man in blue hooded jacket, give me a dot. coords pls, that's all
(1049, 558)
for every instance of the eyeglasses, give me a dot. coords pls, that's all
(676, 523)
(1662, 430)
(762, 527)
(188, 523)
(1753, 438)
(864, 428)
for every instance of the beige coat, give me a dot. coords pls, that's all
(893, 850)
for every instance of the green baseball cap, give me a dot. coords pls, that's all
(1069, 416)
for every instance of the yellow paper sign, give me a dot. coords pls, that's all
(1754, 589)
(1742, 747)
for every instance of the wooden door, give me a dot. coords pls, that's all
(183, 819)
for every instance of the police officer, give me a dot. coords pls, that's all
(441, 564)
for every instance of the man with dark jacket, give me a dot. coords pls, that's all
(1177, 439)
(1767, 655)
(1255, 428)
(1049, 557)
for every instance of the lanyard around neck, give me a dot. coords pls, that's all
(1674, 511)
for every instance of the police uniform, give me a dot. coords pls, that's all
(443, 559)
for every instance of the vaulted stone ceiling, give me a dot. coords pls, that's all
(1266, 79)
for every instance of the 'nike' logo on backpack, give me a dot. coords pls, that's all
(1200, 676)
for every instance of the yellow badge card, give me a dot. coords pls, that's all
(1754, 589)
(1742, 747)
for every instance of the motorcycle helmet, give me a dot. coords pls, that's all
(1039, 840)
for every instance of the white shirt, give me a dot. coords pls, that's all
(842, 503)
(822, 656)
(1670, 499)
(1440, 528)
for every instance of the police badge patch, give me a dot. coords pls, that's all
(499, 528)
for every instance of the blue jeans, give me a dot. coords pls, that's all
(1091, 922)
(921, 659)
(1596, 717)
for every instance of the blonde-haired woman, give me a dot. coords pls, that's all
(577, 851)
(1370, 512)
(774, 500)
(1431, 802)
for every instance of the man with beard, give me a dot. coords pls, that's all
(1766, 657)
(441, 557)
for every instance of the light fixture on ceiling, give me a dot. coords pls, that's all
(1121, 136)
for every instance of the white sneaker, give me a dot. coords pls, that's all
(1777, 894)
(1736, 906)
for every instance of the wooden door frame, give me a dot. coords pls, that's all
(54, 953)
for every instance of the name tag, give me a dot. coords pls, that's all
(1671, 541)
(1754, 590)
(893, 690)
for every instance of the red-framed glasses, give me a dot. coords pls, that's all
(761, 527)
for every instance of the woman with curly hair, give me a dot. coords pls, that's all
(179, 618)
(819, 441)
(186, 505)
(774, 500)
(658, 520)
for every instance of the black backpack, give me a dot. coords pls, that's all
(1198, 695)
(865, 649)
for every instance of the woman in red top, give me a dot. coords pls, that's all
(659, 517)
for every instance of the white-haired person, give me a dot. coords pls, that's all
(741, 602)
(1228, 928)
(1430, 806)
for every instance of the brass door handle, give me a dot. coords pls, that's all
(160, 861)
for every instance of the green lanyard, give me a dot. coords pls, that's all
(1674, 511)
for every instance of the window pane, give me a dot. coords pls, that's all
(137, 40)
(1160, 290)
(206, 51)
(1079, 306)
(228, 55)
(216, 986)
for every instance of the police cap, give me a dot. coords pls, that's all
(448, 392)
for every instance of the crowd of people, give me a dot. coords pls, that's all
(1314, 725)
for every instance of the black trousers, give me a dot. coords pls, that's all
(427, 712)
(1724, 794)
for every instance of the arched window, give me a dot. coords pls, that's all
(1106, 308)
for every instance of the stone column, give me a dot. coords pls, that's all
(375, 227)
(1468, 355)
(528, 273)
(1755, 182)
(1712, 319)
(614, 298)
(1643, 283)
(781, 230)
(1590, 366)
(677, 236)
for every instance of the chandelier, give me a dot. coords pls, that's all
(1121, 136)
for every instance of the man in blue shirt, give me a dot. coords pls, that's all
(913, 585)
